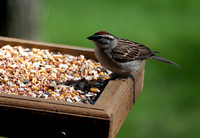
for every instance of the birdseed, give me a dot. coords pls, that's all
(51, 75)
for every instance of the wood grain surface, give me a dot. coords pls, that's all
(103, 119)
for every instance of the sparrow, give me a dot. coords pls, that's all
(122, 56)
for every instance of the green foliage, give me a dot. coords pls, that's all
(169, 103)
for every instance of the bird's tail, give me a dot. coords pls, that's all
(164, 60)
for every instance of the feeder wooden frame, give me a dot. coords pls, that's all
(20, 115)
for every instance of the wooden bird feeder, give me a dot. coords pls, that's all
(22, 116)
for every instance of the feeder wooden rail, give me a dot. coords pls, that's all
(22, 116)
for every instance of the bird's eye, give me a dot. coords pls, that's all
(103, 41)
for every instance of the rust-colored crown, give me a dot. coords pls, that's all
(103, 33)
(100, 33)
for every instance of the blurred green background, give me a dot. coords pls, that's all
(169, 105)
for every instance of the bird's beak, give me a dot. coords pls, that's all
(91, 37)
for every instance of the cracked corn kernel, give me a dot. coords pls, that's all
(42, 71)
(67, 94)
(86, 71)
(11, 66)
(5, 79)
(53, 96)
(34, 80)
(76, 75)
(94, 90)
(72, 98)
(35, 88)
(21, 60)
(73, 94)
(101, 73)
(15, 87)
(34, 50)
(22, 78)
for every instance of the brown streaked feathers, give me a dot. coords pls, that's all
(130, 51)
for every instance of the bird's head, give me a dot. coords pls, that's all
(103, 39)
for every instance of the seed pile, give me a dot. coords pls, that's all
(50, 75)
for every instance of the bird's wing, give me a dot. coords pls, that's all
(124, 53)
(127, 51)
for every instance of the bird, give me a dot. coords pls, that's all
(122, 56)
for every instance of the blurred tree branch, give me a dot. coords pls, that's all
(18, 18)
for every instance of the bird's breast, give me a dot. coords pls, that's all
(105, 58)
